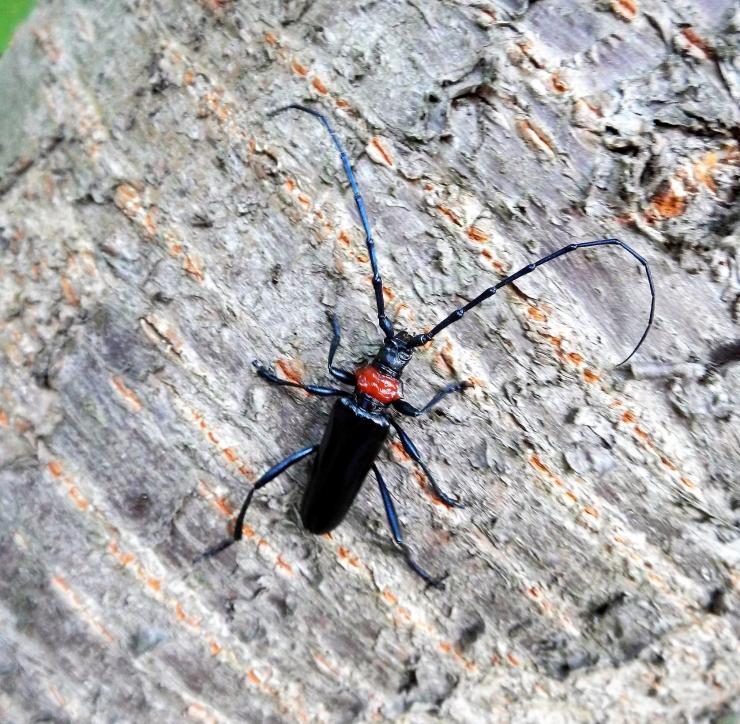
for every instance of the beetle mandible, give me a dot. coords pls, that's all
(359, 423)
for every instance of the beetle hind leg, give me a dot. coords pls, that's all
(271, 474)
(395, 527)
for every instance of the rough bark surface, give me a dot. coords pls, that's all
(159, 231)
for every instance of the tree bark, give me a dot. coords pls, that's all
(159, 231)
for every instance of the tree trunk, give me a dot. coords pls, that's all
(160, 230)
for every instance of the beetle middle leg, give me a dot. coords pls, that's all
(410, 448)
(407, 409)
(271, 474)
(342, 375)
(395, 527)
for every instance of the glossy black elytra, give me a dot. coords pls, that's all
(359, 422)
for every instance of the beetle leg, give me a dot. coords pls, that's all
(395, 527)
(407, 409)
(410, 448)
(271, 474)
(342, 375)
(269, 376)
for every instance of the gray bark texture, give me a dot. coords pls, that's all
(159, 231)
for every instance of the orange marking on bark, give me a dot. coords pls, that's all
(539, 465)
(298, 68)
(362, 258)
(320, 87)
(643, 435)
(289, 185)
(668, 202)
(476, 234)
(253, 678)
(55, 468)
(534, 136)
(3, 418)
(625, 9)
(450, 214)
(557, 83)
(304, 201)
(245, 471)
(212, 437)
(343, 238)
(383, 154)
(574, 358)
(126, 393)
(535, 313)
(533, 591)
(343, 552)
(687, 482)
(215, 648)
(590, 376)
(270, 38)
(285, 566)
(155, 584)
(698, 42)
(703, 170)
(78, 498)
(570, 494)
(588, 510)
(229, 454)
(289, 370)
(175, 249)
(628, 416)
(668, 463)
(388, 596)
(398, 450)
(224, 507)
(69, 292)
(512, 659)
(341, 103)
(388, 294)
(192, 266)
(188, 77)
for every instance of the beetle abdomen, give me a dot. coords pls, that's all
(351, 442)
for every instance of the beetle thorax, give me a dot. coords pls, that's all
(381, 379)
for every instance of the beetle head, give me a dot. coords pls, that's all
(395, 354)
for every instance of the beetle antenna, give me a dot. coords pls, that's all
(385, 323)
(420, 339)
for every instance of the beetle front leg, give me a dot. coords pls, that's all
(271, 474)
(269, 376)
(410, 448)
(407, 409)
(395, 527)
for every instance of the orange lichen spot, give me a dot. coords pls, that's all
(155, 584)
(588, 510)
(512, 659)
(343, 239)
(445, 647)
(212, 437)
(535, 313)
(388, 596)
(127, 199)
(77, 497)
(342, 104)
(590, 376)
(304, 201)
(668, 202)
(290, 370)
(533, 591)
(625, 9)
(289, 185)
(253, 678)
(557, 83)
(343, 552)
(127, 394)
(571, 495)
(319, 86)
(574, 358)
(554, 341)
(69, 292)
(628, 416)
(3, 418)
(372, 382)
(298, 68)
(245, 471)
(450, 214)
(642, 435)
(55, 468)
(223, 506)
(668, 463)
(229, 454)
(362, 258)
(388, 294)
(534, 136)
(182, 616)
(379, 153)
(270, 38)
(687, 482)
(192, 266)
(281, 563)
(538, 465)
(476, 234)
(215, 648)
(698, 43)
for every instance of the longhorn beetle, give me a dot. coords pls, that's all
(359, 422)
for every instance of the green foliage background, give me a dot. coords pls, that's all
(11, 13)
